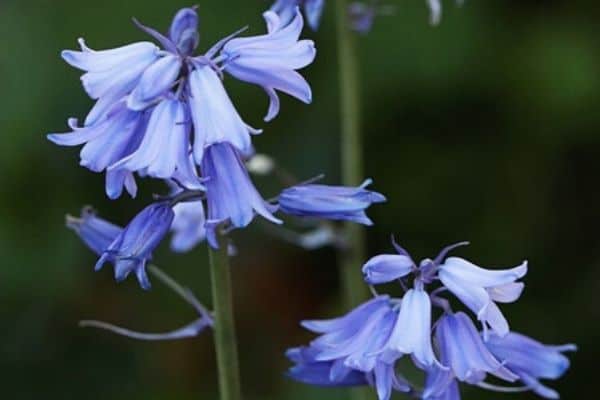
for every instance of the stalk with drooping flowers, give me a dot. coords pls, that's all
(163, 112)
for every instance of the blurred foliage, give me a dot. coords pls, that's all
(485, 128)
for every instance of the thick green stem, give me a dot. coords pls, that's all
(224, 329)
(351, 153)
(353, 254)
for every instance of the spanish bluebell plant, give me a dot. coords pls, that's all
(162, 111)
(365, 346)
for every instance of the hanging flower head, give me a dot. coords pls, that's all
(364, 346)
(157, 105)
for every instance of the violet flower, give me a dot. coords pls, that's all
(133, 247)
(479, 288)
(231, 195)
(367, 343)
(271, 60)
(94, 231)
(531, 360)
(330, 202)
(466, 352)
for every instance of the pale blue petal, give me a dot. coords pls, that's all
(386, 268)
(156, 79)
(105, 60)
(474, 275)
(215, 118)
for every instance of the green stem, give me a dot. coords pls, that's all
(351, 153)
(353, 254)
(224, 329)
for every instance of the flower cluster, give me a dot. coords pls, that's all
(364, 346)
(159, 110)
(163, 112)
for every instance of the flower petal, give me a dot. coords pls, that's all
(386, 268)
(156, 79)
(215, 118)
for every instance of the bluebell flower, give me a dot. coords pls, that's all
(411, 334)
(335, 374)
(215, 117)
(270, 60)
(356, 341)
(188, 226)
(351, 344)
(95, 232)
(375, 336)
(286, 9)
(440, 382)
(531, 360)
(230, 194)
(465, 352)
(133, 247)
(479, 288)
(386, 268)
(112, 73)
(157, 105)
(330, 202)
(308, 370)
(165, 147)
(107, 142)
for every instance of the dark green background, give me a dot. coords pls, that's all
(485, 128)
